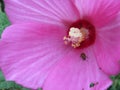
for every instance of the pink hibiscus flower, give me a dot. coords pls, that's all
(61, 44)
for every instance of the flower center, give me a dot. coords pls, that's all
(80, 34)
(76, 36)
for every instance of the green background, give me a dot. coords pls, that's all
(10, 85)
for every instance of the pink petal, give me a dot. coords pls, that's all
(107, 46)
(99, 12)
(74, 73)
(50, 11)
(28, 52)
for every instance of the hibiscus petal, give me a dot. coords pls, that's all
(50, 11)
(29, 51)
(74, 73)
(107, 46)
(99, 12)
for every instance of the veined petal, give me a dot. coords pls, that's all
(98, 12)
(74, 73)
(50, 11)
(29, 51)
(107, 46)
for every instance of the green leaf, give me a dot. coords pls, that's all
(24, 89)
(3, 21)
(1, 77)
(6, 85)
(116, 83)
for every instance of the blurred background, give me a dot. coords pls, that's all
(11, 85)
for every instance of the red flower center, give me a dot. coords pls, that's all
(81, 34)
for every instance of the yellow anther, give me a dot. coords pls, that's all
(76, 36)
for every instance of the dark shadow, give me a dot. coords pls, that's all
(2, 5)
